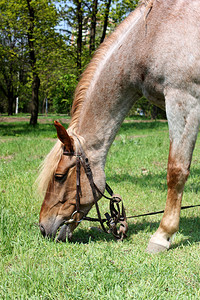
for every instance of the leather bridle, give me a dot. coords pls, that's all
(116, 216)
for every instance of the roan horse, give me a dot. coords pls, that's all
(154, 52)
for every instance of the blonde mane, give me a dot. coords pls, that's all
(49, 166)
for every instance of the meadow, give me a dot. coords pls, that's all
(94, 265)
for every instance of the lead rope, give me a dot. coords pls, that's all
(161, 212)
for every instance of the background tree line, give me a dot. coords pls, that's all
(45, 45)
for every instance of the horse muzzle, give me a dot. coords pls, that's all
(60, 229)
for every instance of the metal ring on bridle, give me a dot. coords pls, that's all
(71, 220)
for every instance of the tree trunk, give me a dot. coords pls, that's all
(10, 102)
(154, 112)
(105, 25)
(8, 91)
(93, 26)
(79, 36)
(34, 101)
(36, 81)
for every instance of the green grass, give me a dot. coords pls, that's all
(94, 265)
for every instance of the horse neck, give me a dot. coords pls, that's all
(110, 94)
(99, 124)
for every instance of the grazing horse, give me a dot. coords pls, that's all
(154, 52)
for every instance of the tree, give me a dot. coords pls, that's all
(79, 13)
(9, 80)
(105, 23)
(38, 62)
(23, 20)
(62, 94)
(42, 39)
(32, 54)
(11, 53)
(121, 9)
(93, 25)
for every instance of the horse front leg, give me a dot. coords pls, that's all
(176, 177)
(183, 129)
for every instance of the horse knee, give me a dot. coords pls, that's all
(177, 176)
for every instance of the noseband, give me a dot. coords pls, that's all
(116, 216)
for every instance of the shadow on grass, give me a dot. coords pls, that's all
(189, 228)
(149, 180)
(142, 125)
(21, 129)
(156, 180)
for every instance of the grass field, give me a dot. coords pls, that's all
(94, 265)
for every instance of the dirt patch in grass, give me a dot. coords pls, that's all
(131, 137)
(7, 158)
(144, 121)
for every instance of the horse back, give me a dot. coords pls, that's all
(166, 47)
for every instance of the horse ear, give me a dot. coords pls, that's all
(63, 136)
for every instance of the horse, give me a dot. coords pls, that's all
(154, 52)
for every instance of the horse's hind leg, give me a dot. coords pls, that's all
(183, 113)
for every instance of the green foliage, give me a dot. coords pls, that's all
(144, 108)
(121, 8)
(55, 51)
(15, 45)
(65, 88)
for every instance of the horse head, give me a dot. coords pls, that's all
(59, 209)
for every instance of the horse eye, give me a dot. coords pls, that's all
(59, 177)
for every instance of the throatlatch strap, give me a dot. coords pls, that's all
(78, 187)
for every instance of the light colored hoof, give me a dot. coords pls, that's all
(155, 248)
(157, 245)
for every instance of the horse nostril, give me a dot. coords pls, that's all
(42, 230)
